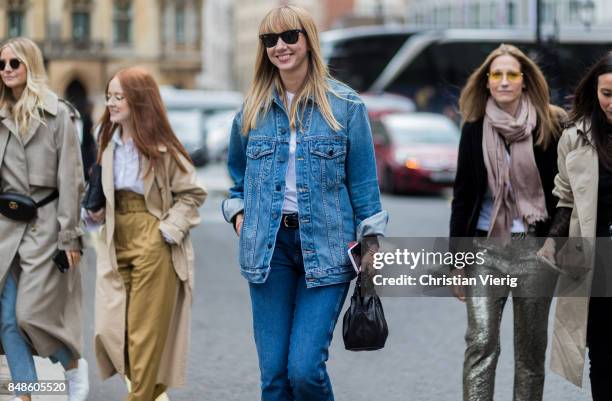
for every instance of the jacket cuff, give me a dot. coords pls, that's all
(171, 231)
(373, 226)
(70, 240)
(231, 207)
(167, 237)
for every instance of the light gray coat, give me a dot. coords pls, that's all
(48, 156)
(576, 186)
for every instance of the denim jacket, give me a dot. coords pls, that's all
(337, 188)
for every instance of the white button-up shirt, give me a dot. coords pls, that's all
(126, 163)
(126, 175)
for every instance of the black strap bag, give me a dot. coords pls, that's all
(364, 327)
(21, 207)
(94, 198)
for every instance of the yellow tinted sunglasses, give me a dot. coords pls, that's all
(511, 76)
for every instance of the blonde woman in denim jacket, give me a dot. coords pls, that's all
(302, 161)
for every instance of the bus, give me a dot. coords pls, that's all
(431, 67)
(358, 55)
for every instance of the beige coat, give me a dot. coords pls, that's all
(48, 156)
(576, 187)
(173, 197)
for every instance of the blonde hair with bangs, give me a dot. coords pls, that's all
(29, 106)
(474, 96)
(259, 96)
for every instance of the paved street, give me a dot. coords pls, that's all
(424, 353)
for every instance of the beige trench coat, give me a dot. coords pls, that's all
(47, 156)
(174, 198)
(576, 187)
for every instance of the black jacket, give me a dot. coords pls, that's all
(471, 181)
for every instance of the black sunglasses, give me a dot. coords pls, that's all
(14, 63)
(290, 37)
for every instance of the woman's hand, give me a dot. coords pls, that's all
(548, 250)
(238, 223)
(98, 216)
(74, 257)
(458, 290)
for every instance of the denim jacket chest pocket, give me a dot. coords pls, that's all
(327, 160)
(259, 152)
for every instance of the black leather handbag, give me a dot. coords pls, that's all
(21, 207)
(94, 198)
(364, 327)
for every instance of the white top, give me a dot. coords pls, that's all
(484, 219)
(126, 166)
(126, 176)
(290, 204)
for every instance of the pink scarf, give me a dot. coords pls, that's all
(526, 199)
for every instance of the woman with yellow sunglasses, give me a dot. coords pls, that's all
(503, 192)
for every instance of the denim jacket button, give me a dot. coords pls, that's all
(283, 131)
(269, 246)
(278, 188)
(330, 152)
(274, 215)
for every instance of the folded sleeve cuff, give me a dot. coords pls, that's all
(70, 240)
(373, 226)
(170, 231)
(167, 237)
(231, 207)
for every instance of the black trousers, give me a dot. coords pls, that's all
(599, 341)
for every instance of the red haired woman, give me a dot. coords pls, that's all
(145, 258)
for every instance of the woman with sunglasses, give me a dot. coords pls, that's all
(145, 256)
(503, 191)
(584, 212)
(40, 158)
(302, 161)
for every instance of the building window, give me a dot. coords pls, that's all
(80, 26)
(574, 10)
(15, 23)
(179, 24)
(122, 22)
(474, 15)
(549, 12)
(492, 14)
(511, 9)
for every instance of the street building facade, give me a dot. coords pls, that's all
(557, 16)
(85, 42)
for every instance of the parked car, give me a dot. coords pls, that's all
(415, 152)
(217, 131)
(188, 127)
(379, 104)
(189, 112)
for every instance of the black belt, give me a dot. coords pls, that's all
(291, 221)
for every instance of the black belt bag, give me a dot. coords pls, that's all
(21, 207)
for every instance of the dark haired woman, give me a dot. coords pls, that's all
(506, 168)
(584, 188)
(145, 257)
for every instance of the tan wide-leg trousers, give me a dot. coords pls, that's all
(145, 264)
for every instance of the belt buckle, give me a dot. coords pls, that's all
(289, 222)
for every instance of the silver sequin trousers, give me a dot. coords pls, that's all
(485, 307)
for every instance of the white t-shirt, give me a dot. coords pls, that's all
(290, 204)
(484, 219)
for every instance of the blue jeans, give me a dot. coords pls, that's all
(18, 352)
(293, 326)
